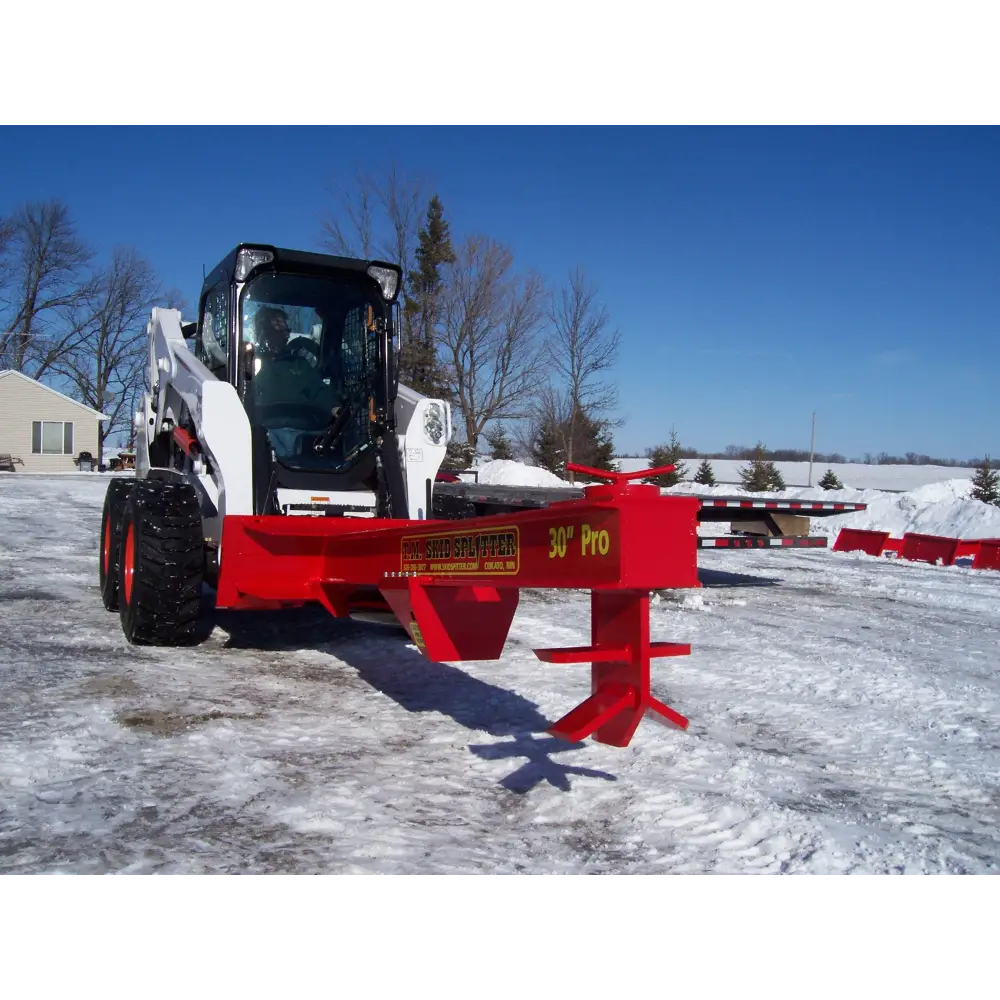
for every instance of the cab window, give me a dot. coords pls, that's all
(213, 336)
(313, 341)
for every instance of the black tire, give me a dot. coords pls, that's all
(111, 537)
(162, 564)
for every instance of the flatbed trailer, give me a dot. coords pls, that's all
(460, 500)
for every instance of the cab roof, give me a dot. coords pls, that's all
(296, 261)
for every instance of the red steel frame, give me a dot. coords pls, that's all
(454, 585)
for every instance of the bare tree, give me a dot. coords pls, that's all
(403, 201)
(490, 320)
(6, 279)
(6, 232)
(560, 433)
(43, 277)
(105, 366)
(582, 351)
(350, 230)
(541, 438)
(377, 215)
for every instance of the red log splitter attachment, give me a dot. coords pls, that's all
(454, 585)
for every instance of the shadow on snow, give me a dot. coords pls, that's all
(384, 658)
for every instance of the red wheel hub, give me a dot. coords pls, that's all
(106, 555)
(129, 562)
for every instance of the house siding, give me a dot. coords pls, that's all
(24, 401)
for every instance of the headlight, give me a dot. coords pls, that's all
(387, 278)
(434, 423)
(247, 260)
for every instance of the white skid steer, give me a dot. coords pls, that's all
(282, 398)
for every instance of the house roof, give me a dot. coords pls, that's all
(55, 392)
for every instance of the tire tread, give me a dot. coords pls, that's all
(169, 565)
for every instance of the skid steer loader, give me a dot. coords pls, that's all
(279, 461)
(281, 399)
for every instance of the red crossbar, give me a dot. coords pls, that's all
(619, 478)
(609, 654)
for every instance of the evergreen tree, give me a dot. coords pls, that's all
(755, 476)
(830, 481)
(547, 451)
(705, 475)
(500, 446)
(459, 455)
(419, 366)
(761, 475)
(986, 483)
(667, 454)
(593, 444)
(596, 447)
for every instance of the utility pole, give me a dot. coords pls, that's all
(812, 448)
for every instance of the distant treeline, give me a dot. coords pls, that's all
(743, 452)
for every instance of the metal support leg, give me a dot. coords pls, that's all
(619, 654)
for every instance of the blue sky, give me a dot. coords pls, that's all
(756, 274)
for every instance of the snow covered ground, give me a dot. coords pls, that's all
(844, 717)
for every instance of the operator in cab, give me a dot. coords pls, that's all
(290, 394)
(284, 376)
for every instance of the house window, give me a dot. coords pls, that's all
(51, 437)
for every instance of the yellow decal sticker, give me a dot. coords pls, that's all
(496, 552)
(559, 539)
(417, 635)
(593, 541)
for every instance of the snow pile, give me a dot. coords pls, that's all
(500, 472)
(936, 509)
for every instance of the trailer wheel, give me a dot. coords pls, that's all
(161, 565)
(111, 535)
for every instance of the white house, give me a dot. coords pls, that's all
(42, 427)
